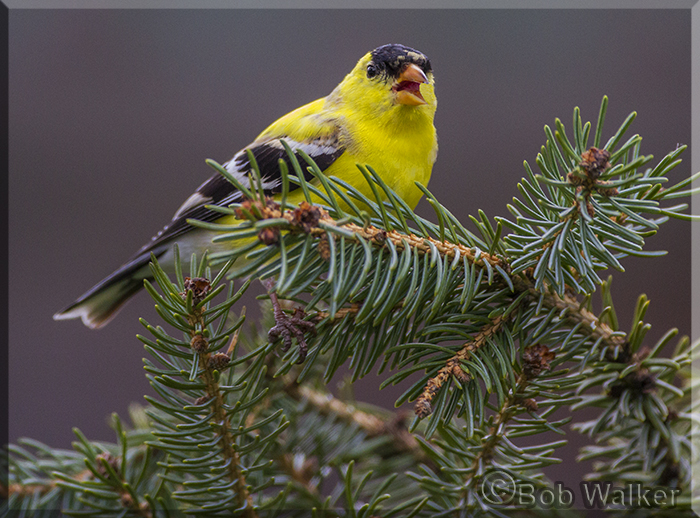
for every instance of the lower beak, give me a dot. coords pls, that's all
(407, 86)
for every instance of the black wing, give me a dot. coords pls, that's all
(219, 191)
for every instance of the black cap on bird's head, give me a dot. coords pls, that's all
(390, 60)
(404, 67)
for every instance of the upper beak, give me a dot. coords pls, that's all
(413, 73)
(407, 86)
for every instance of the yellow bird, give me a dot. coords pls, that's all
(380, 114)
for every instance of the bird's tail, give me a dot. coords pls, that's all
(101, 303)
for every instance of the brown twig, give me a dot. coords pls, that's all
(311, 219)
(372, 425)
(576, 314)
(26, 490)
(419, 244)
(453, 367)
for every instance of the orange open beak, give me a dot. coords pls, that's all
(407, 86)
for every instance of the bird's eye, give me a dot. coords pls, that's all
(372, 70)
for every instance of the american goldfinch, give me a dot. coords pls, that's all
(380, 114)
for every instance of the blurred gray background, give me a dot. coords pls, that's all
(112, 113)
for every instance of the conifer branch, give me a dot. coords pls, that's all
(108, 466)
(573, 311)
(313, 220)
(421, 245)
(27, 490)
(327, 404)
(372, 425)
(453, 367)
(484, 457)
(212, 364)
